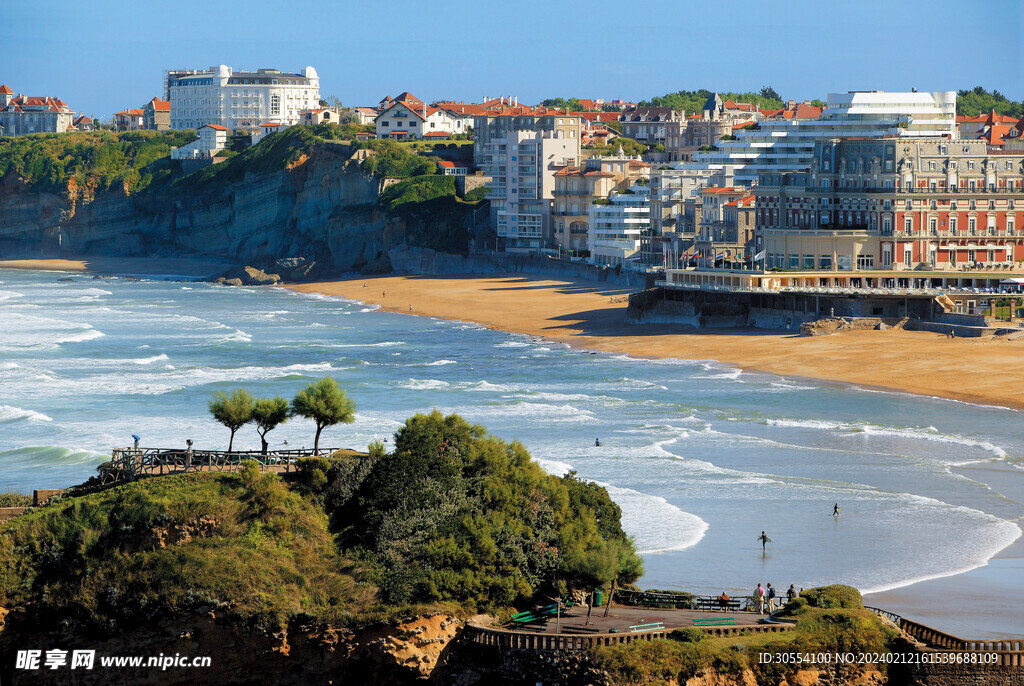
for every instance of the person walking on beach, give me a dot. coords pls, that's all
(759, 599)
(764, 540)
(835, 509)
(771, 599)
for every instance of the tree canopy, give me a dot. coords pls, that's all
(325, 404)
(693, 101)
(454, 514)
(233, 411)
(267, 413)
(980, 101)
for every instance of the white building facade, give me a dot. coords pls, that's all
(613, 236)
(776, 145)
(212, 139)
(241, 100)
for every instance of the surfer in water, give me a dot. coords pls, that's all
(597, 442)
(764, 540)
(835, 509)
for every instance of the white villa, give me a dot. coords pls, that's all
(212, 139)
(613, 236)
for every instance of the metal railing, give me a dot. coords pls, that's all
(129, 463)
(1008, 653)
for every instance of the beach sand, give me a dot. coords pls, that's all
(187, 267)
(591, 316)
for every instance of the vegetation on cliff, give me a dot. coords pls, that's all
(435, 216)
(831, 619)
(451, 517)
(454, 514)
(243, 544)
(95, 160)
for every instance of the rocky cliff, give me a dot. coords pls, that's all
(323, 207)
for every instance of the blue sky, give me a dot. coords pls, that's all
(105, 56)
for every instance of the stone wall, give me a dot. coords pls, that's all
(967, 675)
(7, 513)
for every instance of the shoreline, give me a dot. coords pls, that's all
(589, 316)
(143, 267)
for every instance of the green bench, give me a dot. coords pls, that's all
(649, 626)
(531, 616)
(715, 621)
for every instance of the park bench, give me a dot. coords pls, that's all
(649, 626)
(715, 621)
(531, 616)
(711, 604)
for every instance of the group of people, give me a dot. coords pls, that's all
(763, 597)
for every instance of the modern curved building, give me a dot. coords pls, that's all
(240, 99)
(781, 144)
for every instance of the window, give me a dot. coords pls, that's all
(908, 256)
(275, 104)
(908, 225)
(970, 165)
(808, 262)
(972, 225)
(1009, 224)
(933, 227)
(931, 166)
(825, 262)
(865, 261)
(794, 261)
(952, 224)
(886, 226)
(888, 165)
(845, 262)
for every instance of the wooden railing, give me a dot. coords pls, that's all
(129, 463)
(1008, 653)
(520, 640)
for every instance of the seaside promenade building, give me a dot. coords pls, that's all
(242, 99)
(24, 114)
(521, 149)
(895, 203)
(785, 143)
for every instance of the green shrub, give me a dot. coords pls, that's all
(14, 499)
(833, 596)
(688, 635)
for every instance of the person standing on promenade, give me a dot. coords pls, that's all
(759, 599)
(771, 599)
(791, 593)
(764, 539)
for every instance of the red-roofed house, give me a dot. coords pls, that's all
(319, 115)
(84, 123)
(156, 115)
(128, 120)
(24, 114)
(414, 119)
(366, 115)
(449, 168)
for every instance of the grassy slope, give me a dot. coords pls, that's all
(95, 558)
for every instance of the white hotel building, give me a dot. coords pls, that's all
(776, 145)
(613, 236)
(241, 100)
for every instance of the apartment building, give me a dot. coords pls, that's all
(576, 187)
(784, 140)
(521, 149)
(25, 114)
(727, 228)
(895, 203)
(242, 99)
(676, 209)
(648, 124)
(616, 226)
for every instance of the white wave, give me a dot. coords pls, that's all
(553, 467)
(731, 375)
(8, 295)
(236, 336)
(791, 386)
(372, 308)
(489, 387)
(656, 525)
(148, 360)
(438, 363)
(929, 433)
(423, 384)
(9, 413)
(546, 411)
(512, 344)
(382, 344)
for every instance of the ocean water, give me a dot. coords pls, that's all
(700, 456)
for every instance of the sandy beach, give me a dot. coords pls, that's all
(591, 316)
(188, 267)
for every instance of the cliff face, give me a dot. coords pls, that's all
(321, 208)
(402, 653)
